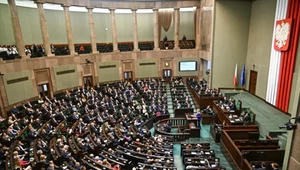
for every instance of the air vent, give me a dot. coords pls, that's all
(18, 80)
(107, 66)
(147, 64)
(65, 72)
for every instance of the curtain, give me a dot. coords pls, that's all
(164, 20)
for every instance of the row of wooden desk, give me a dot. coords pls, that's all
(231, 117)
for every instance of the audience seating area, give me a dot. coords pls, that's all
(10, 52)
(179, 93)
(108, 127)
(199, 156)
(89, 128)
(183, 44)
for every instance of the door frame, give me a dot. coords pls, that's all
(128, 72)
(48, 89)
(252, 72)
(167, 79)
(50, 81)
(92, 83)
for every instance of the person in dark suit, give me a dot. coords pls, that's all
(226, 101)
(60, 116)
(232, 105)
(16, 126)
(74, 117)
(93, 128)
(66, 155)
(14, 111)
(246, 117)
(3, 154)
(167, 127)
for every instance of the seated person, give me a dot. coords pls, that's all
(208, 110)
(275, 166)
(226, 101)
(167, 127)
(232, 105)
(189, 147)
(246, 117)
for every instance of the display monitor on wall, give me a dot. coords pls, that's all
(188, 66)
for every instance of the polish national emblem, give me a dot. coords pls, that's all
(282, 34)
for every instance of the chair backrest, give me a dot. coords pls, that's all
(252, 115)
(239, 105)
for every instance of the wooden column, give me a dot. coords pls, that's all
(135, 31)
(92, 30)
(44, 29)
(17, 29)
(155, 23)
(69, 29)
(114, 30)
(176, 26)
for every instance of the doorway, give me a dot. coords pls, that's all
(167, 74)
(252, 82)
(88, 81)
(44, 90)
(127, 75)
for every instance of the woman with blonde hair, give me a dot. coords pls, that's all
(19, 164)
(106, 163)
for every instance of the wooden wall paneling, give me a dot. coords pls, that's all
(127, 65)
(42, 76)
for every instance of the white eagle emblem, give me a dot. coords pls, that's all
(281, 34)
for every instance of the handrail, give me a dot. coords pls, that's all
(233, 151)
(174, 122)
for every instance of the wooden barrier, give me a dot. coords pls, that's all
(242, 149)
(180, 113)
(175, 122)
(228, 145)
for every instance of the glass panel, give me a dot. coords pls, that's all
(40, 88)
(45, 87)
(125, 75)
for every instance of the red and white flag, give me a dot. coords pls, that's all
(235, 76)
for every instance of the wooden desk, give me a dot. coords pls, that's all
(194, 130)
(180, 113)
(242, 156)
(203, 101)
(191, 118)
(231, 117)
(215, 133)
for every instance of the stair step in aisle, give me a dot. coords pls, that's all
(176, 147)
(169, 101)
(192, 99)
